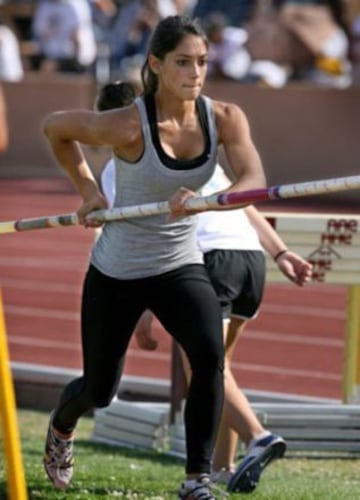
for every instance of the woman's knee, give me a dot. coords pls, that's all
(102, 399)
(209, 361)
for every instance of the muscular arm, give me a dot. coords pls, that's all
(66, 130)
(244, 160)
(241, 153)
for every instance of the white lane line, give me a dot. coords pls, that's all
(292, 338)
(46, 344)
(266, 308)
(75, 346)
(288, 372)
(303, 310)
(41, 313)
(39, 286)
(249, 335)
(162, 356)
(46, 246)
(67, 263)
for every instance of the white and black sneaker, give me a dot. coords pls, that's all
(58, 459)
(259, 455)
(200, 488)
(222, 476)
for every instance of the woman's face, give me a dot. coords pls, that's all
(183, 71)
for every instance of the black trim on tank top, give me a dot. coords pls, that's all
(168, 161)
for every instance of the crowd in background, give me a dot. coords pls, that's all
(265, 42)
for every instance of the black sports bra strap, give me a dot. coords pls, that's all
(167, 160)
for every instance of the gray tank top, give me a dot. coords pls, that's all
(149, 246)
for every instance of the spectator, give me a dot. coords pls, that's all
(11, 67)
(64, 33)
(354, 32)
(239, 11)
(130, 31)
(319, 26)
(85, 36)
(227, 55)
(275, 52)
(251, 53)
(103, 12)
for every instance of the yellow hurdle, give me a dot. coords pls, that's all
(15, 473)
(351, 386)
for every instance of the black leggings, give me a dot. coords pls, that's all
(186, 304)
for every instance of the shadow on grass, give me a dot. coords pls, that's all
(103, 471)
(160, 457)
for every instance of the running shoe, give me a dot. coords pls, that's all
(200, 489)
(247, 476)
(58, 459)
(222, 476)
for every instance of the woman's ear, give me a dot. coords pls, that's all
(154, 63)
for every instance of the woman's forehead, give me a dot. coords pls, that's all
(191, 45)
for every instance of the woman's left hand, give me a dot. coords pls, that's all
(297, 269)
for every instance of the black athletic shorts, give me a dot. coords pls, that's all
(238, 277)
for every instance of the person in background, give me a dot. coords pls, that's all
(320, 26)
(239, 11)
(165, 147)
(64, 33)
(233, 244)
(11, 66)
(228, 56)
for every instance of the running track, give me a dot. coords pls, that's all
(294, 346)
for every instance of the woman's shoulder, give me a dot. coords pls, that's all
(123, 121)
(127, 132)
(228, 114)
(224, 108)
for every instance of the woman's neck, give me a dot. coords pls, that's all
(171, 108)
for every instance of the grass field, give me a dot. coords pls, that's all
(107, 472)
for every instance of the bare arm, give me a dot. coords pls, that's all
(269, 238)
(65, 131)
(244, 160)
(143, 332)
(292, 265)
(240, 151)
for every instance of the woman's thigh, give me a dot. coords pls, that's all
(188, 308)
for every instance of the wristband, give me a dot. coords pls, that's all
(279, 254)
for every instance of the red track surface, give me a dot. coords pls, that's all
(294, 346)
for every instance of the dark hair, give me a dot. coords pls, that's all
(116, 95)
(167, 36)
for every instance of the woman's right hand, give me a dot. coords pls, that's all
(96, 202)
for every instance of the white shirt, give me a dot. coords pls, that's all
(225, 229)
(11, 68)
(56, 24)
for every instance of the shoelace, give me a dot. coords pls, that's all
(204, 489)
(61, 451)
